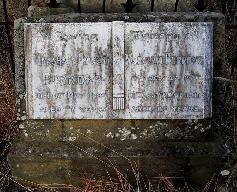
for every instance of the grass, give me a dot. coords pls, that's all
(100, 183)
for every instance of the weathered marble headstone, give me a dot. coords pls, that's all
(68, 70)
(152, 73)
(168, 70)
(118, 70)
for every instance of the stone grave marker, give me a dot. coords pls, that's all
(141, 84)
(118, 70)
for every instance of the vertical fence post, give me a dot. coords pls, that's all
(103, 8)
(152, 5)
(79, 6)
(8, 31)
(176, 6)
(201, 5)
(29, 3)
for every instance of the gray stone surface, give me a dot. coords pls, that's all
(160, 70)
(68, 70)
(34, 11)
(168, 70)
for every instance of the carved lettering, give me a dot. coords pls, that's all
(160, 36)
(167, 59)
(118, 69)
(45, 61)
(72, 80)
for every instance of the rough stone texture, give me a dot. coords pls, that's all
(114, 6)
(68, 70)
(186, 6)
(74, 3)
(88, 7)
(38, 3)
(42, 140)
(34, 11)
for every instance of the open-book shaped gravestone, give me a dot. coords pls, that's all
(118, 70)
(138, 83)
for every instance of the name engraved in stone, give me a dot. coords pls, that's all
(118, 70)
(60, 62)
(167, 59)
(64, 80)
(44, 61)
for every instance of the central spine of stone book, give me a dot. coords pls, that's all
(118, 65)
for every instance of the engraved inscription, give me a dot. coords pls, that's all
(71, 80)
(68, 75)
(167, 59)
(168, 70)
(108, 70)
